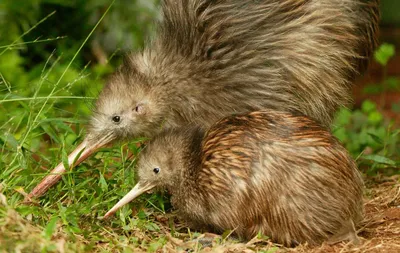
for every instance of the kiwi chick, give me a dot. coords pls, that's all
(277, 173)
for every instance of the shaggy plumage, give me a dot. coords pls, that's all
(272, 172)
(212, 58)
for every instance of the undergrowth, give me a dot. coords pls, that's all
(43, 111)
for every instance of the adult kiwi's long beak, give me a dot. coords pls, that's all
(83, 151)
(134, 193)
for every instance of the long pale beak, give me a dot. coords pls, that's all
(139, 189)
(83, 151)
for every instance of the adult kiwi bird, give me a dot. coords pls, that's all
(273, 172)
(213, 58)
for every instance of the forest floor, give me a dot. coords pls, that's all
(69, 224)
(379, 232)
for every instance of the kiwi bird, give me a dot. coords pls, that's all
(273, 172)
(210, 59)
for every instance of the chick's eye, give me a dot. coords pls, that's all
(116, 119)
(156, 170)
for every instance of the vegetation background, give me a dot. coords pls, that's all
(54, 58)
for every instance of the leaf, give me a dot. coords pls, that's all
(392, 83)
(10, 139)
(395, 133)
(152, 226)
(375, 117)
(380, 159)
(154, 246)
(64, 157)
(341, 134)
(343, 117)
(50, 131)
(103, 183)
(368, 106)
(61, 125)
(384, 53)
(376, 138)
(141, 215)
(226, 234)
(272, 250)
(49, 229)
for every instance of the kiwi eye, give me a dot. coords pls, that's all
(116, 119)
(156, 170)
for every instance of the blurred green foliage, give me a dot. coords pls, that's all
(390, 12)
(369, 138)
(383, 54)
(58, 28)
(38, 40)
(364, 131)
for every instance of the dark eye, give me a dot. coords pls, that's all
(116, 119)
(156, 170)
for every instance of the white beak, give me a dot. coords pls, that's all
(134, 193)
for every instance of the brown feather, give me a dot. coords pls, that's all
(273, 172)
(210, 59)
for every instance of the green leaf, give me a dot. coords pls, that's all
(380, 159)
(10, 139)
(64, 157)
(395, 133)
(154, 246)
(368, 106)
(343, 117)
(152, 226)
(48, 129)
(103, 183)
(49, 229)
(375, 117)
(226, 233)
(341, 134)
(384, 53)
(141, 215)
(376, 138)
(392, 83)
(61, 125)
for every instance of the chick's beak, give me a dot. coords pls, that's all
(139, 189)
(83, 151)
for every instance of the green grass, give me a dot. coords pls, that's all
(43, 112)
(42, 119)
